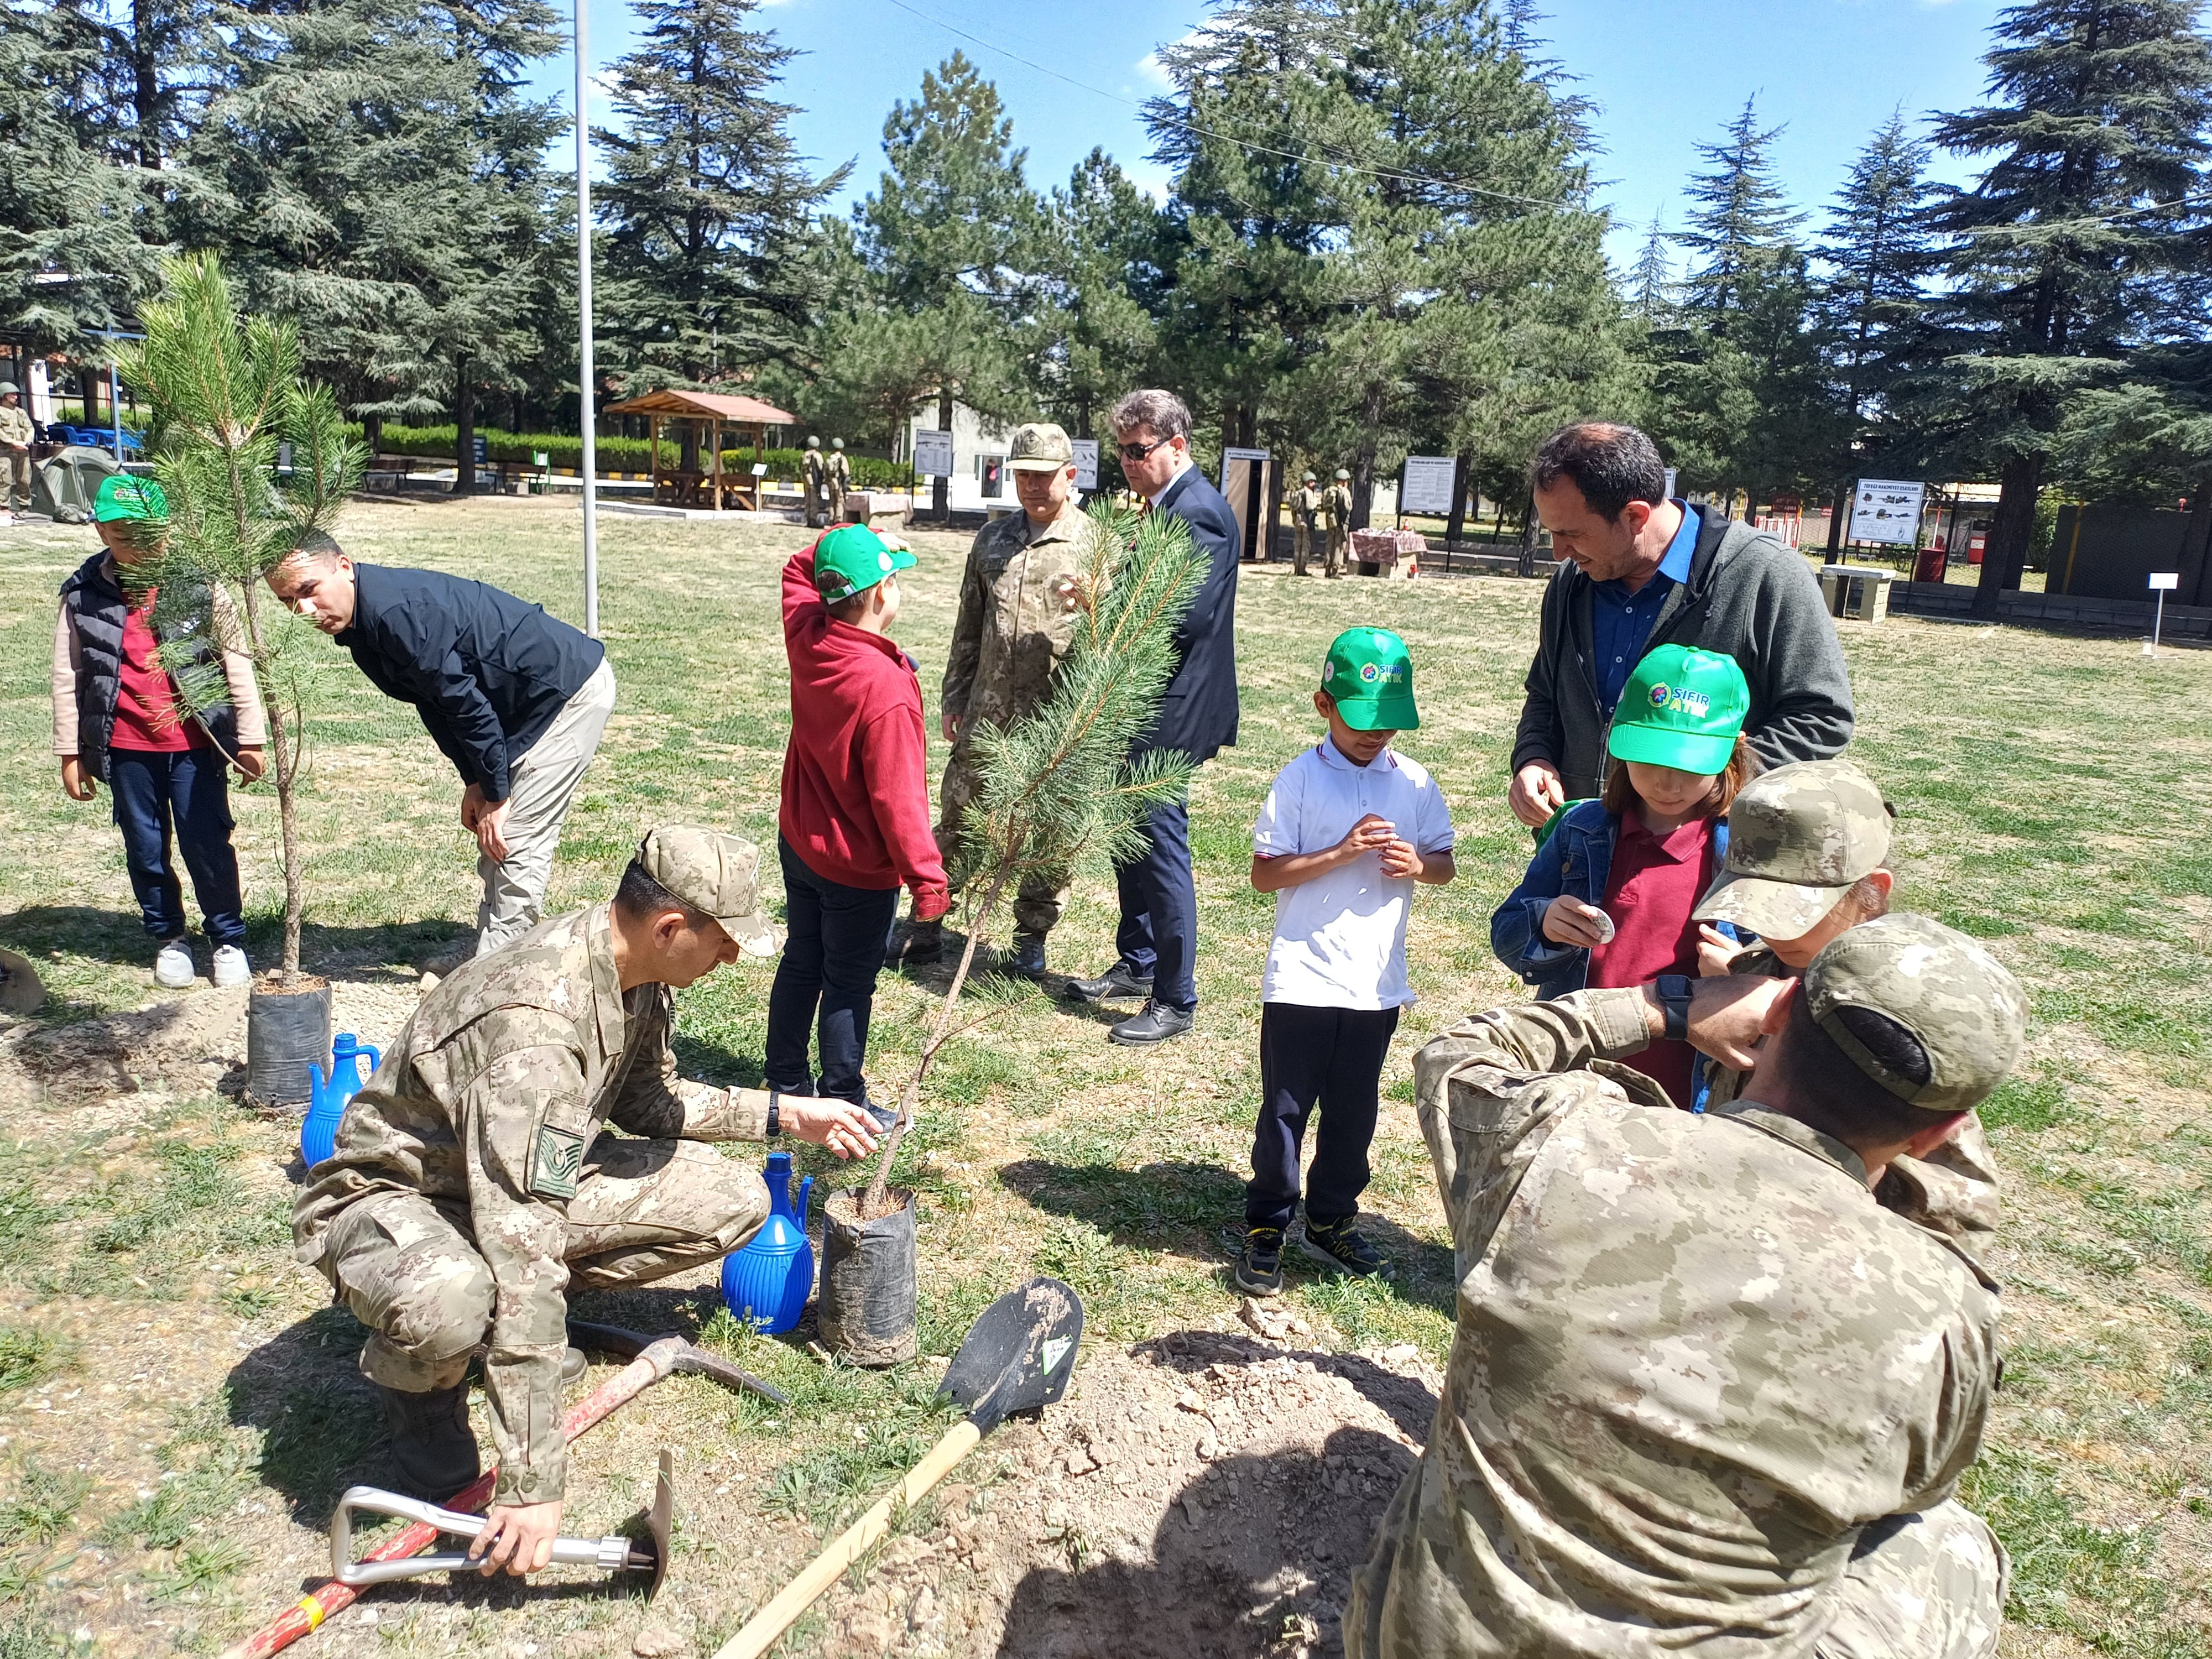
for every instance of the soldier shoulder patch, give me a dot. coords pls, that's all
(559, 1160)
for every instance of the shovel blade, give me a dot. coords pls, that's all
(660, 1520)
(1019, 1354)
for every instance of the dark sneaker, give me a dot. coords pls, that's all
(1119, 985)
(1341, 1245)
(1157, 1023)
(924, 944)
(1258, 1260)
(1028, 958)
(434, 1450)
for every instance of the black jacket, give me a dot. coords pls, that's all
(487, 671)
(98, 609)
(1198, 714)
(1749, 596)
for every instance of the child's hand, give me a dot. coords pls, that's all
(74, 784)
(1569, 921)
(1401, 858)
(250, 764)
(1715, 949)
(1371, 835)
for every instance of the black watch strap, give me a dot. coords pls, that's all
(1674, 996)
(775, 1114)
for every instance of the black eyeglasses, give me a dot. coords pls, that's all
(1138, 452)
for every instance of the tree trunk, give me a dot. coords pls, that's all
(1455, 525)
(1528, 565)
(2010, 530)
(1839, 516)
(2196, 546)
(1362, 469)
(464, 430)
(372, 435)
(1083, 416)
(940, 489)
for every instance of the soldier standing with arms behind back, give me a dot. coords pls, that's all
(17, 434)
(837, 478)
(1018, 607)
(810, 478)
(1306, 507)
(1336, 503)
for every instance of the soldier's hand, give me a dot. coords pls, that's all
(1731, 1016)
(839, 1125)
(518, 1537)
(950, 724)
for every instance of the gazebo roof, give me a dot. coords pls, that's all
(703, 405)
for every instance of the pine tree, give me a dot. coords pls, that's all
(1094, 334)
(1057, 787)
(225, 393)
(706, 200)
(1741, 220)
(1651, 278)
(2068, 249)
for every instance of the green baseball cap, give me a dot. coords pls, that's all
(1960, 1005)
(1682, 708)
(853, 559)
(123, 497)
(1370, 674)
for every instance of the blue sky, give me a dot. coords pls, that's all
(1666, 74)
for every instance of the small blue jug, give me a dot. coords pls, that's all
(327, 1096)
(768, 1280)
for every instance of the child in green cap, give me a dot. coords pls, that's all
(119, 720)
(1347, 830)
(1607, 900)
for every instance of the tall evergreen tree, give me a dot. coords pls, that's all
(1094, 336)
(1741, 220)
(1651, 278)
(706, 200)
(2069, 247)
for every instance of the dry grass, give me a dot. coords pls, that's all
(182, 1406)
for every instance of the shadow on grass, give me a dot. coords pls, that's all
(118, 937)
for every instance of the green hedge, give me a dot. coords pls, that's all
(612, 454)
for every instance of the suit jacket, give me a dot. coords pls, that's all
(1198, 714)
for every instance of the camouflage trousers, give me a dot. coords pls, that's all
(1038, 905)
(837, 503)
(1301, 545)
(813, 505)
(407, 1265)
(1339, 539)
(1926, 1586)
(18, 463)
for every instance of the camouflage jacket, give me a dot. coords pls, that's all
(1954, 1189)
(1018, 610)
(1336, 505)
(813, 468)
(1305, 504)
(1693, 1359)
(837, 470)
(16, 428)
(487, 1103)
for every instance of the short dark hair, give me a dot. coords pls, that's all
(852, 605)
(1166, 415)
(1828, 1091)
(1618, 792)
(1611, 465)
(640, 898)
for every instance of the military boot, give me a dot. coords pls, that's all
(434, 1450)
(923, 944)
(1028, 958)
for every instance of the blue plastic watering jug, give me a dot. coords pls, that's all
(327, 1096)
(768, 1280)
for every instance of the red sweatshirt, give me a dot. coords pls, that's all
(855, 775)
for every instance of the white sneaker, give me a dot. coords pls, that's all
(231, 966)
(172, 968)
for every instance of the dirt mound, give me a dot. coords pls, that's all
(1205, 1492)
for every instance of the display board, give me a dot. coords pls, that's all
(932, 453)
(1886, 510)
(1428, 485)
(1086, 463)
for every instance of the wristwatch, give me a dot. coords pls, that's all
(775, 1102)
(1673, 991)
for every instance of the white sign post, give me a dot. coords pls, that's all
(933, 453)
(1427, 486)
(1886, 510)
(2162, 582)
(1673, 473)
(1086, 464)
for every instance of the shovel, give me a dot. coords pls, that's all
(1017, 1357)
(611, 1555)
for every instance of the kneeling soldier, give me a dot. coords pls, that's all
(472, 1180)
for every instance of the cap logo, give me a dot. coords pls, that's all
(1329, 671)
(1369, 672)
(1692, 703)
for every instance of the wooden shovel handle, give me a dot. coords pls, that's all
(762, 1629)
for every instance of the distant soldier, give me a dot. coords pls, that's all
(1706, 1391)
(837, 478)
(1017, 608)
(474, 1179)
(16, 432)
(811, 476)
(1306, 507)
(1336, 504)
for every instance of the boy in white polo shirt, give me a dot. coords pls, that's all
(1347, 830)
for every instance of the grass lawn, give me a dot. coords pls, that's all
(179, 1402)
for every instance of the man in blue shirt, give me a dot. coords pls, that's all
(1624, 607)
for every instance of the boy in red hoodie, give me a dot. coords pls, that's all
(855, 823)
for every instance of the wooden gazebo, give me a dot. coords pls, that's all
(712, 418)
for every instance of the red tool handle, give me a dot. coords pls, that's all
(331, 1596)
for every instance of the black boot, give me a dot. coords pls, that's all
(434, 1451)
(1028, 958)
(923, 944)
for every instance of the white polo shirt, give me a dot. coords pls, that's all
(1341, 938)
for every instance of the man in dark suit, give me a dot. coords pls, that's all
(1158, 935)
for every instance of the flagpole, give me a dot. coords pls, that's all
(586, 413)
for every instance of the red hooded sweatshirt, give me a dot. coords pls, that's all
(855, 775)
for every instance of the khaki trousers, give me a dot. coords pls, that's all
(19, 479)
(541, 788)
(408, 1267)
(1301, 545)
(813, 505)
(1339, 538)
(1038, 905)
(837, 503)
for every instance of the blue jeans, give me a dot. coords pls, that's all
(185, 789)
(831, 957)
(1158, 935)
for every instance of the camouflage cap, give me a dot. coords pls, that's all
(1958, 1002)
(1799, 836)
(710, 871)
(1040, 447)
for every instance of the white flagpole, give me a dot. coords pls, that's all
(588, 414)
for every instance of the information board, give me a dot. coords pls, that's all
(1886, 510)
(1230, 455)
(1086, 463)
(932, 453)
(2165, 581)
(1428, 485)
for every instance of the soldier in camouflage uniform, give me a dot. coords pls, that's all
(1705, 1394)
(472, 1180)
(1018, 607)
(1336, 507)
(1305, 507)
(812, 473)
(837, 478)
(1806, 860)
